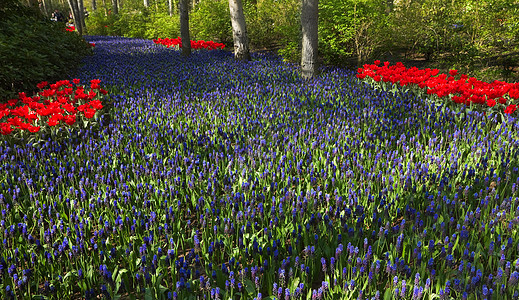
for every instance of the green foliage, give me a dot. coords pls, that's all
(272, 23)
(291, 51)
(464, 34)
(457, 31)
(210, 20)
(163, 25)
(100, 23)
(351, 29)
(37, 49)
(431, 27)
(134, 20)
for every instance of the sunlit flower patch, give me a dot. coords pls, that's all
(56, 104)
(221, 180)
(461, 89)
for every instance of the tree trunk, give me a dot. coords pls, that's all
(81, 9)
(74, 8)
(184, 28)
(46, 9)
(239, 31)
(170, 7)
(146, 3)
(94, 5)
(309, 22)
(115, 7)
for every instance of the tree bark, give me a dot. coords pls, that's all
(74, 8)
(146, 3)
(81, 9)
(184, 27)
(239, 31)
(115, 7)
(170, 7)
(309, 23)
(94, 5)
(46, 7)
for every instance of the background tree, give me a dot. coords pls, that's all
(184, 27)
(239, 31)
(115, 7)
(77, 15)
(309, 26)
(81, 8)
(46, 6)
(478, 37)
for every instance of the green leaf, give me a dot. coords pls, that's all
(148, 295)
(388, 295)
(119, 279)
(249, 287)
(295, 283)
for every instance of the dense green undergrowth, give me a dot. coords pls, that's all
(35, 49)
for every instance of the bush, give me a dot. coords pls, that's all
(210, 20)
(163, 25)
(37, 49)
(133, 21)
(432, 27)
(351, 29)
(461, 32)
(99, 23)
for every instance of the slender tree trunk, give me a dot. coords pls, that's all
(81, 8)
(115, 7)
(146, 3)
(239, 31)
(74, 7)
(44, 6)
(309, 22)
(94, 5)
(170, 7)
(184, 28)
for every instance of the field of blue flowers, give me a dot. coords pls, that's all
(216, 179)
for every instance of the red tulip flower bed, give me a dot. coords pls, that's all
(460, 89)
(61, 103)
(209, 45)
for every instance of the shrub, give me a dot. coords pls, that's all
(134, 21)
(37, 49)
(210, 20)
(99, 23)
(351, 29)
(163, 25)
